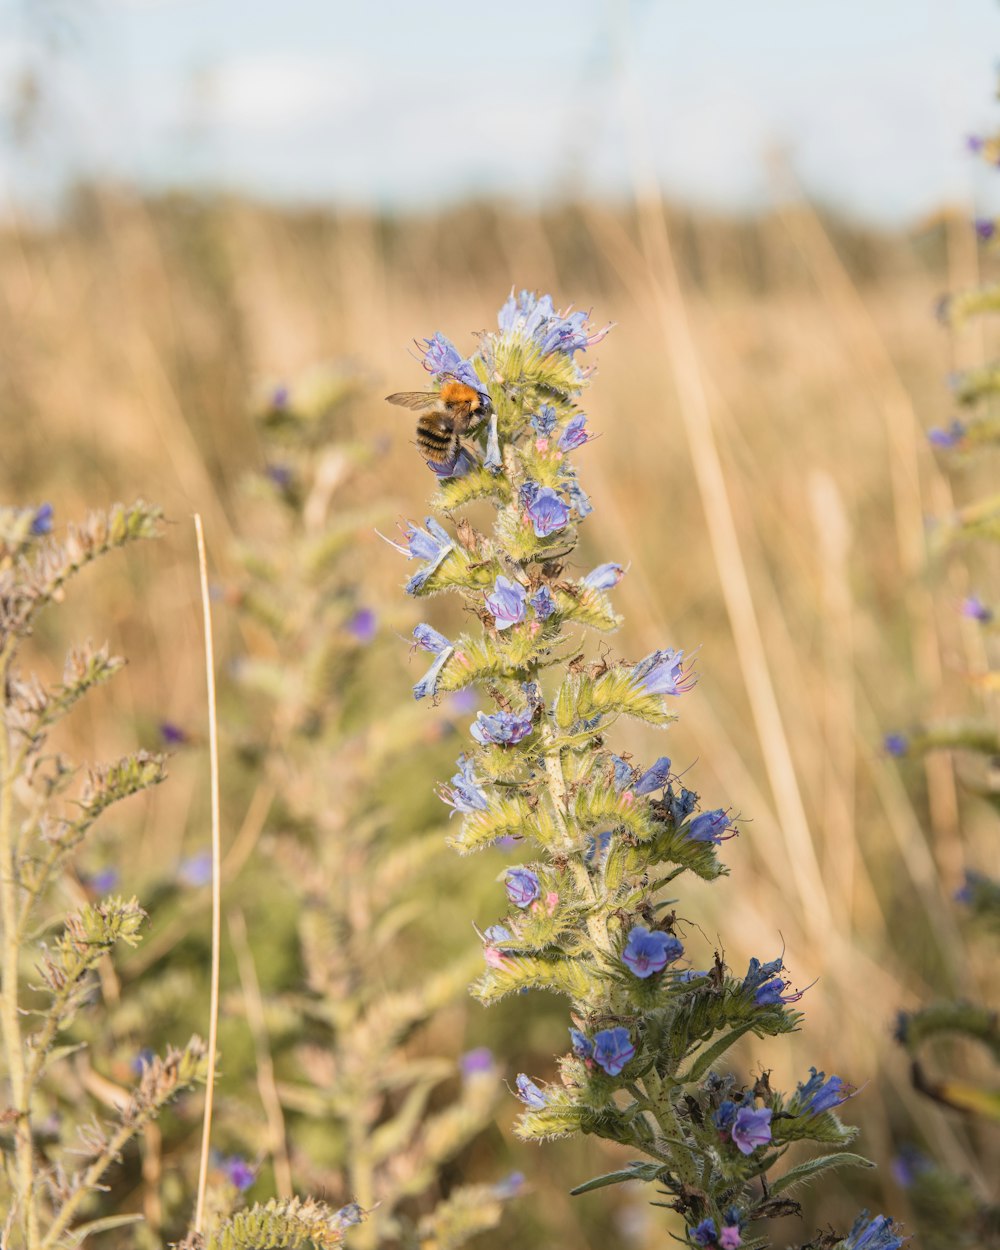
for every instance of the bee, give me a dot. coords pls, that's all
(446, 416)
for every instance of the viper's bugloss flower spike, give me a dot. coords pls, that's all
(603, 838)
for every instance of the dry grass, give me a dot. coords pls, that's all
(761, 465)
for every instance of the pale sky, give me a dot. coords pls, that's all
(399, 104)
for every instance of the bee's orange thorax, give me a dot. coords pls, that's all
(459, 393)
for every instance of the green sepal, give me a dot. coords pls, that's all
(589, 607)
(604, 806)
(548, 1123)
(505, 819)
(478, 483)
(576, 978)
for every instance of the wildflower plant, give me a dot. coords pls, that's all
(356, 867)
(602, 841)
(950, 1210)
(58, 1152)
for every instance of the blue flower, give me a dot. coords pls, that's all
(431, 545)
(663, 672)
(709, 827)
(986, 228)
(597, 846)
(758, 973)
(574, 435)
(975, 882)
(279, 475)
(623, 773)
(104, 880)
(583, 1047)
(648, 952)
(946, 439)
(502, 728)
(475, 1061)
(908, 1166)
(458, 466)
(430, 640)
(654, 778)
(363, 624)
(974, 143)
(681, 805)
(350, 1215)
(691, 974)
(775, 993)
(506, 603)
(441, 357)
(976, 610)
(41, 522)
(529, 1093)
(579, 498)
(613, 1049)
(751, 1129)
(497, 935)
(522, 886)
(543, 603)
(703, 1234)
(896, 745)
(604, 576)
(535, 318)
(509, 1187)
(196, 870)
(239, 1173)
(725, 1115)
(492, 460)
(173, 735)
(544, 421)
(876, 1234)
(279, 397)
(546, 509)
(465, 793)
(820, 1094)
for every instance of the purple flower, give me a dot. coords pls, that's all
(775, 993)
(663, 672)
(279, 475)
(475, 1061)
(239, 1172)
(546, 509)
(751, 1129)
(492, 459)
(986, 228)
(604, 577)
(648, 952)
(974, 143)
(544, 422)
(579, 498)
(758, 973)
(583, 1047)
(173, 735)
(574, 435)
(363, 625)
(196, 870)
(729, 1237)
(536, 318)
(543, 603)
(703, 1234)
(506, 603)
(946, 439)
(529, 1093)
(502, 728)
(441, 357)
(431, 545)
(104, 881)
(142, 1060)
(908, 1165)
(874, 1235)
(681, 805)
(976, 610)
(280, 397)
(41, 522)
(654, 778)
(510, 1186)
(709, 827)
(462, 702)
(896, 745)
(497, 935)
(465, 793)
(623, 773)
(458, 466)
(430, 640)
(820, 1094)
(613, 1049)
(522, 886)
(350, 1215)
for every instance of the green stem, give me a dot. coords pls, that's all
(10, 1024)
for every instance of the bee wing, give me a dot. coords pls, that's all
(416, 400)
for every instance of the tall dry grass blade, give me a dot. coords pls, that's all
(213, 741)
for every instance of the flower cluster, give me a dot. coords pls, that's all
(600, 836)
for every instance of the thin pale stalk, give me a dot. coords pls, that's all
(213, 738)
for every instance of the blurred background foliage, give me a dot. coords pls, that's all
(138, 336)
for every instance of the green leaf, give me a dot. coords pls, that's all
(805, 1172)
(633, 1172)
(708, 1057)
